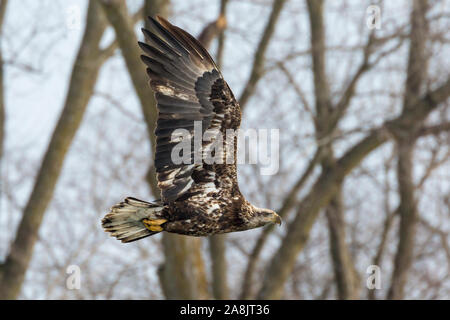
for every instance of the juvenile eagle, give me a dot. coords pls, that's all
(197, 199)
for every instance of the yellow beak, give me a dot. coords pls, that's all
(277, 219)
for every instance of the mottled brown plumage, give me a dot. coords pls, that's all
(197, 198)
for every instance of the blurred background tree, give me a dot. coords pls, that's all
(364, 124)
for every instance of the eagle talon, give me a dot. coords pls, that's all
(156, 222)
(155, 228)
(154, 225)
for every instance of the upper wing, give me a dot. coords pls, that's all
(188, 87)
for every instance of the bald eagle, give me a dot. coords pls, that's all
(197, 198)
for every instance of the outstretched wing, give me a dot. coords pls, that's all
(188, 88)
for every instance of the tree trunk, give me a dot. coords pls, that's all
(344, 270)
(408, 220)
(82, 82)
(346, 277)
(218, 267)
(183, 274)
(406, 138)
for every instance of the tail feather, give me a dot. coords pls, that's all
(124, 220)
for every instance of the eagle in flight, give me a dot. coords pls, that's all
(197, 198)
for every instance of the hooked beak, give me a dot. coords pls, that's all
(277, 219)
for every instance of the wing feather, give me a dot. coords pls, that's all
(185, 79)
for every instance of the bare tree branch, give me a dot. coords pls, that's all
(434, 130)
(221, 39)
(212, 30)
(326, 186)
(297, 88)
(109, 50)
(442, 235)
(344, 102)
(258, 60)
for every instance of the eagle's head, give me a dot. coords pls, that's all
(261, 217)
